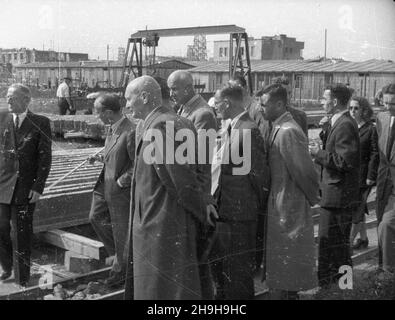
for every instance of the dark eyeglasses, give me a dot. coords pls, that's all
(353, 108)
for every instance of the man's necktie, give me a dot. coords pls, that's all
(221, 156)
(391, 139)
(180, 109)
(16, 122)
(108, 138)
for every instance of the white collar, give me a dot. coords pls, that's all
(21, 117)
(237, 118)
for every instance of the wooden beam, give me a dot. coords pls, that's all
(75, 243)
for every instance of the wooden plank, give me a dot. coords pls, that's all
(75, 243)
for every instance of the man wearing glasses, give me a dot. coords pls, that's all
(385, 181)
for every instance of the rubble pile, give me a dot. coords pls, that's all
(92, 290)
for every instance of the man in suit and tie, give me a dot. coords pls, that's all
(193, 107)
(167, 203)
(340, 165)
(241, 196)
(386, 181)
(25, 162)
(110, 207)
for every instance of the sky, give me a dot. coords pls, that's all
(357, 29)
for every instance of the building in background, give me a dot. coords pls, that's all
(307, 78)
(121, 53)
(103, 74)
(24, 55)
(279, 47)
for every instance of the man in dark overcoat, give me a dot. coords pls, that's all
(25, 162)
(167, 201)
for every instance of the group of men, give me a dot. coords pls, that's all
(190, 210)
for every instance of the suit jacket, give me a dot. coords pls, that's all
(300, 117)
(386, 170)
(118, 160)
(369, 153)
(340, 164)
(202, 117)
(25, 157)
(243, 197)
(294, 190)
(167, 201)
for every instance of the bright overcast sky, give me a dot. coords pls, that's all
(357, 29)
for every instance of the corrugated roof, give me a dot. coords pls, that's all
(71, 64)
(380, 66)
(98, 64)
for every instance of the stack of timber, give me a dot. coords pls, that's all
(68, 203)
(88, 126)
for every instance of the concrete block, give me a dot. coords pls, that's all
(77, 263)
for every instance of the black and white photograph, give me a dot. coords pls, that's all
(168, 150)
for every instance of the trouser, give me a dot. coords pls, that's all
(205, 238)
(232, 260)
(16, 230)
(386, 236)
(63, 106)
(334, 243)
(260, 240)
(110, 220)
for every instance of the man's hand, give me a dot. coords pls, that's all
(369, 182)
(34, 196)
(314, 148)
(210, 213)
(93, 159)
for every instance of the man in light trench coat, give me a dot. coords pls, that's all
(294, 189)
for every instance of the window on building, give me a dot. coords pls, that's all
(290, 50)
(286, 50)
(225, 52)
(15, 56)
(242, 51)
(21, 56)
(252, 51)
(221, 52)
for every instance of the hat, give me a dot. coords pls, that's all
(67, 78)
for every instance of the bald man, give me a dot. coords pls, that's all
(193, 107)
(167, 203)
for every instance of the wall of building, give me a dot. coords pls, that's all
(221, 49)
(306, 85)
(23, 55)
(266, 48)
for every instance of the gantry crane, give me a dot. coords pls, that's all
(150, 38)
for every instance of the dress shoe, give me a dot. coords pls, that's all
(5, 275)
(361, 244)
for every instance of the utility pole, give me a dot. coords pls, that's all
(325, 44)
(108, 67)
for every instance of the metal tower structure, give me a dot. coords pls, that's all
(149, 38)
